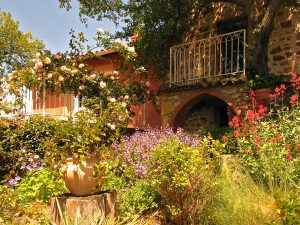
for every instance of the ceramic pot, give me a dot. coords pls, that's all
(79, 177)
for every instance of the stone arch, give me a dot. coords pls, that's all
(200, 99)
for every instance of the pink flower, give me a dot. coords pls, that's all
(224, 138)
(294, 99)
(236, 133)
(93, 76)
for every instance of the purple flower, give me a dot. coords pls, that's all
(23, 166)
(28, 167)
(36, 156)
(11, 182)
(30, 159)
(23, 150)
(17, 178)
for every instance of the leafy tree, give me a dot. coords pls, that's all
(161, 23)
(16, 47)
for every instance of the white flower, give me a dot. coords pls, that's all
(57, 56)
(81, 87)
(124, 104)
(39, 64)
(102, 84)
(112, 100)
(47, 60)
(81, 65)
(148, 83)
(118, 40)
(126, 97)
(100, 30)
(37, 55)
(61, 78)
(131, 49)
(112, 126)
(93, 76)
(49, 75)
(74, 71)
(115, 72)
(63, 68)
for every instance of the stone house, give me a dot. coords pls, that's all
(207, 77)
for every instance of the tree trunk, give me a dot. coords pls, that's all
(94, 209)
(259, 38)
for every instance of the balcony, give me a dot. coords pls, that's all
(211, 59)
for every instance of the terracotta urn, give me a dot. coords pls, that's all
(79, 177)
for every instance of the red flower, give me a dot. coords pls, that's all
(224, 138)
(253, 129)
(251, 93)
(282, 88)
(288, 146)
(262, 109)
(257, 139)
(289, 157)
(236, 133)
(273, 140)
(277, 90)
(272, 96)
(294, 99)
(278, 136)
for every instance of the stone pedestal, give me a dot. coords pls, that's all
(94, 209)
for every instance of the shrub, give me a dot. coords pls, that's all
(140, 198)
(40, 186)
(136, 149)
(17, 135)
(184, 176)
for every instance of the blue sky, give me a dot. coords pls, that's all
(46, 21)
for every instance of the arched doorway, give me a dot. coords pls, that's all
(206, 111)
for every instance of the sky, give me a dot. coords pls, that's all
(48, 22)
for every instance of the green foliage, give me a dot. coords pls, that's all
(14, 212)
(271, 154)
(40, 186)
(139, 198)
(239, 200)
(28, 134)
(290, 209)
(16, 47)
(183, 176)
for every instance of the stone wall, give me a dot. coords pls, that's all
(176, 104)
(284, 46)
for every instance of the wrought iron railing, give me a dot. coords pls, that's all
(215, 57)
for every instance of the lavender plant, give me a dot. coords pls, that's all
(136, 149)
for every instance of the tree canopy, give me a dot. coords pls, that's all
(162, 23)
(16, 47)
